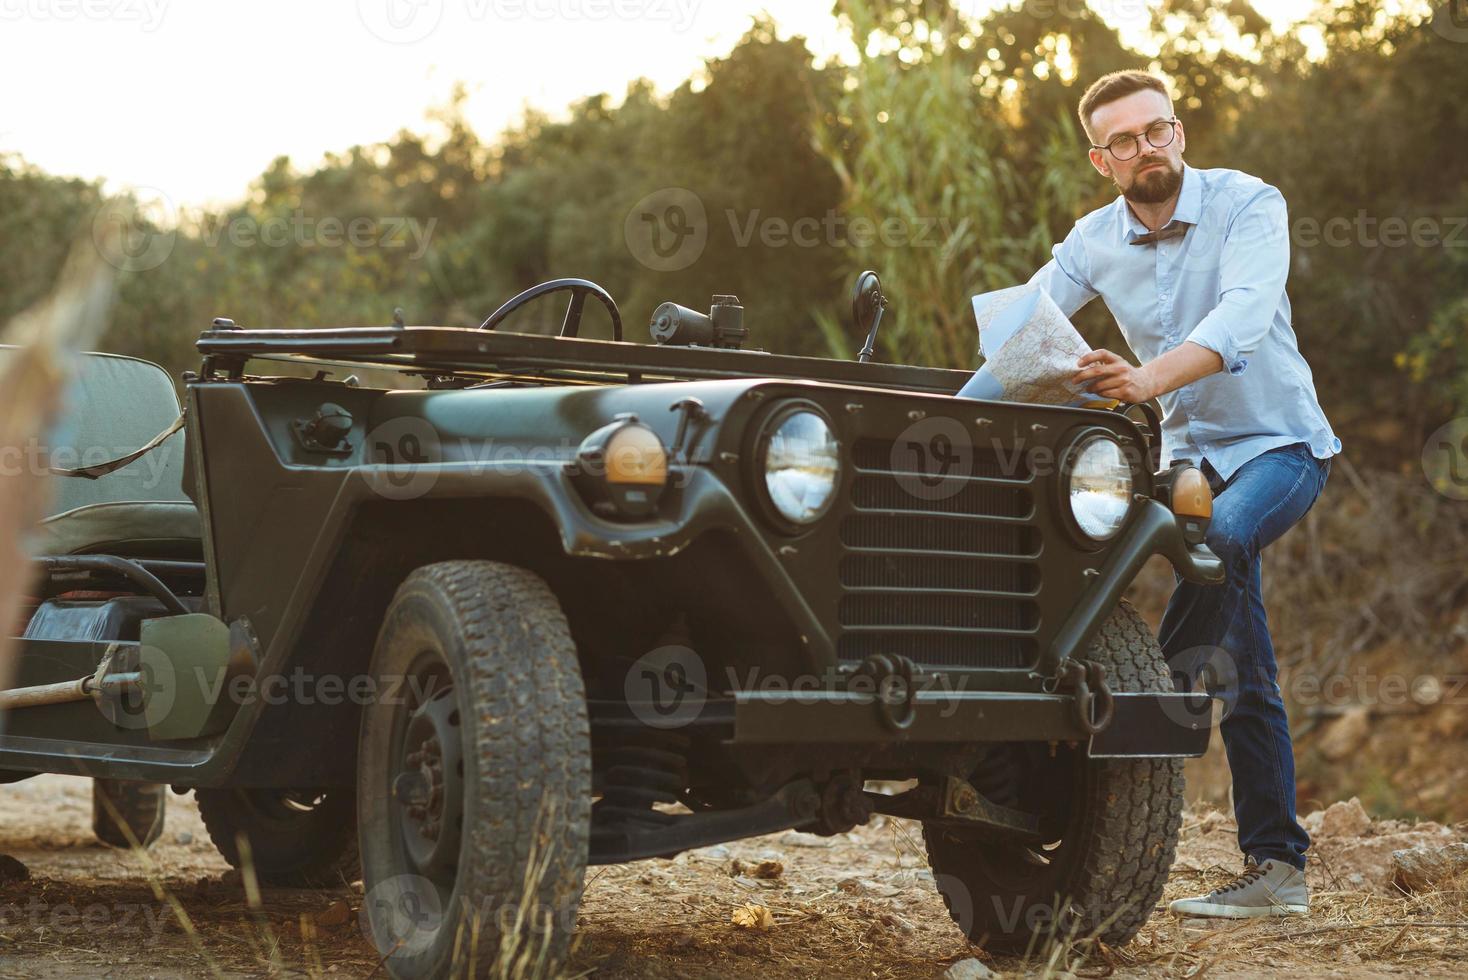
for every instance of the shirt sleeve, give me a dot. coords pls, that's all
(1067, 276)
(1254, 263)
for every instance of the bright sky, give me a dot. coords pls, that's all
(191, 99)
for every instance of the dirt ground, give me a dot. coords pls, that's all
(859, 905)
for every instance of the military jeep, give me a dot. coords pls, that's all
(541, 602)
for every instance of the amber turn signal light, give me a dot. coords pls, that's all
(621, 469)
(1191, 496)
(634, 454)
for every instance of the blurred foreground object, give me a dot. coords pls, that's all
(33, 384)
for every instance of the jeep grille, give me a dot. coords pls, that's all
(935, 566)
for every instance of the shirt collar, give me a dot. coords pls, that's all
(1189, 198)
(1189, 206)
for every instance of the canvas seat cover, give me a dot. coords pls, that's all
(115, 405)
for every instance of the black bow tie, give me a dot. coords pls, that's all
(1176, 230)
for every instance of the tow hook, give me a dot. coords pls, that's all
(1086, 679)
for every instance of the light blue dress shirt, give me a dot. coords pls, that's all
(1220, 285)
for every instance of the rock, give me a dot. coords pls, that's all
(768, 869)
(897, 922)
(1346, 734)
(12, 870)
(1371, 857)
(334, 915)
(184, 837)
(1346, 819)
(1417, 869)
(969, 969)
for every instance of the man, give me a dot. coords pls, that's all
(1192, 264)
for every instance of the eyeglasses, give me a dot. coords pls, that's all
(1126, 146)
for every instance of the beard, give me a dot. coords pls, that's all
(1155, 186)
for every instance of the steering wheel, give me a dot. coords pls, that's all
(579, 290)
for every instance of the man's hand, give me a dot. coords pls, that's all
(1112, 376)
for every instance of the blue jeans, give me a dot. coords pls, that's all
(1221, 632)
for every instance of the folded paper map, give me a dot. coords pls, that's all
(1030, 349)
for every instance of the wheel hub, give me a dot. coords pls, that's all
(428, 787)
(423, 784)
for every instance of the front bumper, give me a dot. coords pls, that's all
(1144, 725)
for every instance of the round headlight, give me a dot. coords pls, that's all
(1100, 487)
(800, 465)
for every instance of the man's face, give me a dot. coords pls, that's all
(1155, 173)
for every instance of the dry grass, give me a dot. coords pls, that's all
(858, 905)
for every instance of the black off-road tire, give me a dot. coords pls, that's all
(1116, 821)
(122, 803)
(296, 839)
(504, 901)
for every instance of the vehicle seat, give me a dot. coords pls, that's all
(115, 405)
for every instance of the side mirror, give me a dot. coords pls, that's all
(867, 306)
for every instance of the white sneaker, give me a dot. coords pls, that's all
(1271, 888)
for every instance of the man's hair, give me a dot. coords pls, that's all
(1116, 85)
